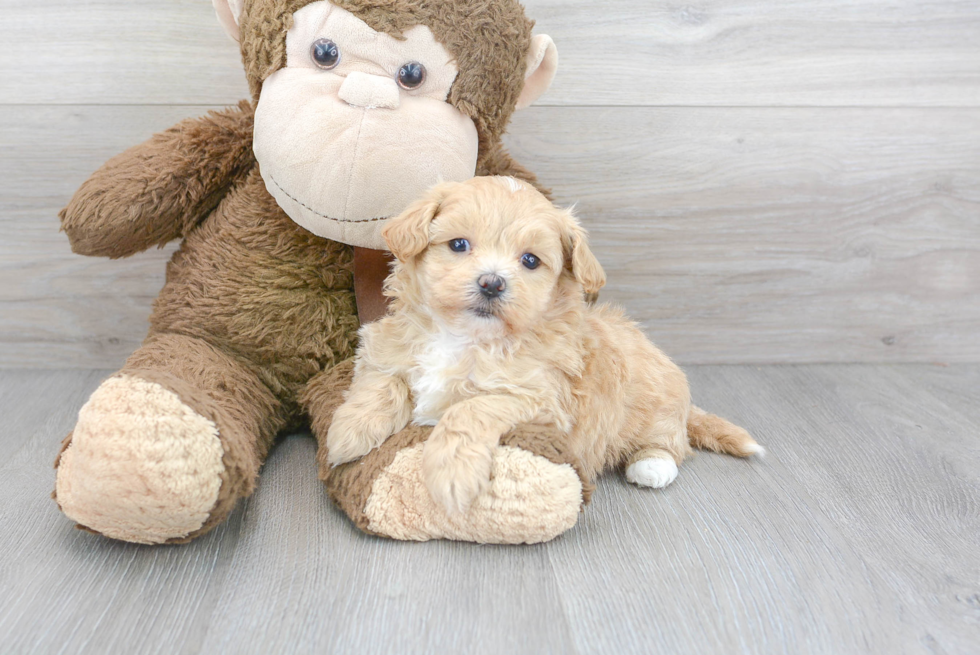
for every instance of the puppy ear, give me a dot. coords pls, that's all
(579, 258)
(408, 233)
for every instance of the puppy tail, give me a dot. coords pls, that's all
(710, 432)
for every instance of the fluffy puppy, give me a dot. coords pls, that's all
(488, 328)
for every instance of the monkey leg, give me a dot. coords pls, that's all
(165, 447)
(536, 493)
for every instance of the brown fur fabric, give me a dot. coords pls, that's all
(497, 161)
(253, 306)
(263, 289)
(159, 190)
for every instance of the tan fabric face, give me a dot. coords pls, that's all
(340, 169)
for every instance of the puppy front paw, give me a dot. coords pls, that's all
(456, 469)
(354, 433)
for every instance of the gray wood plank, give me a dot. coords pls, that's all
(790, 53)
(58, 307)
(748, 235)
(25, 411)
(118, 52)
(714, 52)
(960, 392)
(894, 470)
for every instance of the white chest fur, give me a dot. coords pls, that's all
(442, 376)
(451, 368)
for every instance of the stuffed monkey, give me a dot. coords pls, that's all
(357, 107)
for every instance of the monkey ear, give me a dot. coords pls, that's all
(542, 64)
(579, 258)
(408, 233)
(229, 11)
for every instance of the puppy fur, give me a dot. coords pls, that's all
(475, 364)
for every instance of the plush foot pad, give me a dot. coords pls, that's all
(654, 472)
(142, 466)
(531, 499)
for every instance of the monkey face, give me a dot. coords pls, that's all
(356, 125)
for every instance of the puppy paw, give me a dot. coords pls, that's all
(456, 470)
(656, 472)
(354, 433)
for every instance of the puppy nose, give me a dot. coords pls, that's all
(369, 91)
(491, 285)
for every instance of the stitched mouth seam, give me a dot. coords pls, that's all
(357, 145)
(329, 218)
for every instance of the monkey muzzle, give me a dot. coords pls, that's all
(342, 155)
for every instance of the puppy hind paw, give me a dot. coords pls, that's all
(655, 472)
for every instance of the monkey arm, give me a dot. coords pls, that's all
(159, 190)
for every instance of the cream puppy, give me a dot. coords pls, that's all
(488, 329)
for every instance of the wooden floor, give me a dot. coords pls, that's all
(860, 533)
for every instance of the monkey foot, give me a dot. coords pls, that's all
(536, 493)
(140, 466)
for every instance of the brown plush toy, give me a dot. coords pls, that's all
(357, 107)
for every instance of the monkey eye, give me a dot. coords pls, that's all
(325, 54)
(411, 75)
(530, 261)
(459, 245)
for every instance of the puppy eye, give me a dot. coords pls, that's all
(325, 54)
(411, 75)
(459, 245)
(530, 261)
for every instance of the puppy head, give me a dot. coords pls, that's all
(490, 256)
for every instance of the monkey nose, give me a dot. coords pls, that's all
(369, 91)
(491, 285)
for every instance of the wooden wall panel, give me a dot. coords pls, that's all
(778, 235)
(734, 235)
(920, 53)
(765, 182)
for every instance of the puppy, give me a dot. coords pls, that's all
(488, 328)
